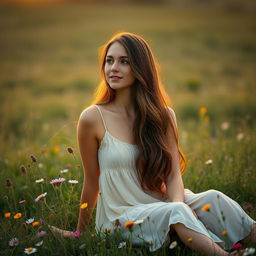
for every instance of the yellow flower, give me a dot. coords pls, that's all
(202, 111)
(7, 215)
(224, 232)
(83, 206)
(17, 215)
(108, 230)
(190, 239)
(56, 149)
(206, 207)
(129, 224)
(35, 223)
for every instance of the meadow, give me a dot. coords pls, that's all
(49, 71)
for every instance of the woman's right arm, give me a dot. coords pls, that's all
(88, 146)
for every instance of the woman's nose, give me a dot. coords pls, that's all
(114, 67)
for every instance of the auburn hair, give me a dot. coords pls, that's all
(152, 119)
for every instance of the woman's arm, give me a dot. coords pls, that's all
(88, 145)
(174, 186)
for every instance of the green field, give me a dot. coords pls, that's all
(49, 70)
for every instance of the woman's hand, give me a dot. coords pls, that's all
(62, 232)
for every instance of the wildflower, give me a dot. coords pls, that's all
(42, 221)
(73, 182)
(129, 224)
(8, 183)
(36, 223)
(117, 223)
(56, 149)
(206, 207)
(82, 246)
(41, 234)
(108, 230)
(93, 235)
(7, 215)
(40, 197)
(29, 221)
(202, 111)
(239, 136)
(248, 207)
(14, 241)
(23, 169)
(40, 165)
(30, 250)
(237, 246)
(77, 234)
(173, 245)
(138, 222)
(64, 171)
(68, 166)
(224, 126)
(57, 181)
(83, 206)
(70, 150)
(249, 251)
(190, 239)
(39, 181)
(45, 150)
(39, 243)
(208, 162)
(17, 215)
(33, 158)
(22, 201)
(121, 245)
(224, 232)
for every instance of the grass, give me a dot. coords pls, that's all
(48, 73)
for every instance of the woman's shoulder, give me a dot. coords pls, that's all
(89, 116)
(172, 114)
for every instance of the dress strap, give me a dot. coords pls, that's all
(101, 116)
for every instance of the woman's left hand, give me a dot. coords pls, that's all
(62, 232)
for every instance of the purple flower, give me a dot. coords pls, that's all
(41, 234)
(77, 234)
(14, 241)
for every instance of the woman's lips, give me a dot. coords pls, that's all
(115, 78)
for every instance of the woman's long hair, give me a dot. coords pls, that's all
(152, 119)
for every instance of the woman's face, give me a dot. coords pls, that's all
(117, 69)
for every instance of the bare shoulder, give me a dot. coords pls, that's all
(89, 120)
(172, 114)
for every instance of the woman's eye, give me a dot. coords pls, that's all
(109, 61)
(124, 61)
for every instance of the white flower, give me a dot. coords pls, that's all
(40, 197)
(73, 182)
(40, 165)
(64, 171)
(239, 136)
(249, 251)
(29, 221)
(138, 222)
(57, 181)
(121, 245)
(209, 162)
(30, 250)
(173, 245)
(39, 181)
(224, 126)
(39, 243)
(14, 241)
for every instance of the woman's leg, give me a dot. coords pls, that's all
(199, 242)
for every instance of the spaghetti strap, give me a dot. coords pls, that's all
(101, 117)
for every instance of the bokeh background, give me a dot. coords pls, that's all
(49, 71)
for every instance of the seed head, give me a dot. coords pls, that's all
(70, 150)
(23, 169)
(33, 158)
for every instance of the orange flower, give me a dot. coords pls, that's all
(224, 232)
(202, 111)
(206, 207)
(17, 215)
(56, 149)
(83, 206)
(7, 215)
(190, 239)
(129, 224)
(35, 223)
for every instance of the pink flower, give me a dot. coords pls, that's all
(77, 234)
(57, 181)
(41, 234)
(237, 246)
(22, 201)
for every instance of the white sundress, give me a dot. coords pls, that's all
(122, 198)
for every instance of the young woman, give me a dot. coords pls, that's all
(133, 164)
